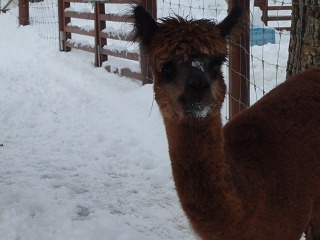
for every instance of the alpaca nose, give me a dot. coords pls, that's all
(197, 82)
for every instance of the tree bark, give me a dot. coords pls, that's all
(304, 47)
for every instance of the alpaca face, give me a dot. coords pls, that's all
(185, 58)
(191, 87)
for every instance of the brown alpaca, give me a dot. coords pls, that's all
(256, 178)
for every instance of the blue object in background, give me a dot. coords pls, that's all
(261, 36)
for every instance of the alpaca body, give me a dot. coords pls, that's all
(274, 190)
(276, 144)
(256, 178)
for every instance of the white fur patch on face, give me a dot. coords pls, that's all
(200, 111)
(203, 112)
(197, 64)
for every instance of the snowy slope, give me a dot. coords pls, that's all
(82, 157)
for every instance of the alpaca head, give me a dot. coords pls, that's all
(185, 57)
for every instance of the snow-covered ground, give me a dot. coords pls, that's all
(83, 153)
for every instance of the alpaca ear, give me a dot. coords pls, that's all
(145, 26)
(228, 23)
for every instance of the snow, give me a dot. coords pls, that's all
(84, 153)
(81, 43)
(79, 10)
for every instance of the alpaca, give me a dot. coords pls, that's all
(257, 177)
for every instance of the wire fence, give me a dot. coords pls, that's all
(268, 63)
(43, 17)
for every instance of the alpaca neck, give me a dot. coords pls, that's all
(202, 177)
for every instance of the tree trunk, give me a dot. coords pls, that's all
(304, 47)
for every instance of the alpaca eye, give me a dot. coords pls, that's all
(215, 64)
(168, 69)
(218, 60)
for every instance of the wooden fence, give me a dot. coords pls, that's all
(101, 34)
(265, 8)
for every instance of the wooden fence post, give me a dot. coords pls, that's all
(151, 7)
(24, 12)
(99, 25)
(263, 5)
(63, 21)
(239, 62)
